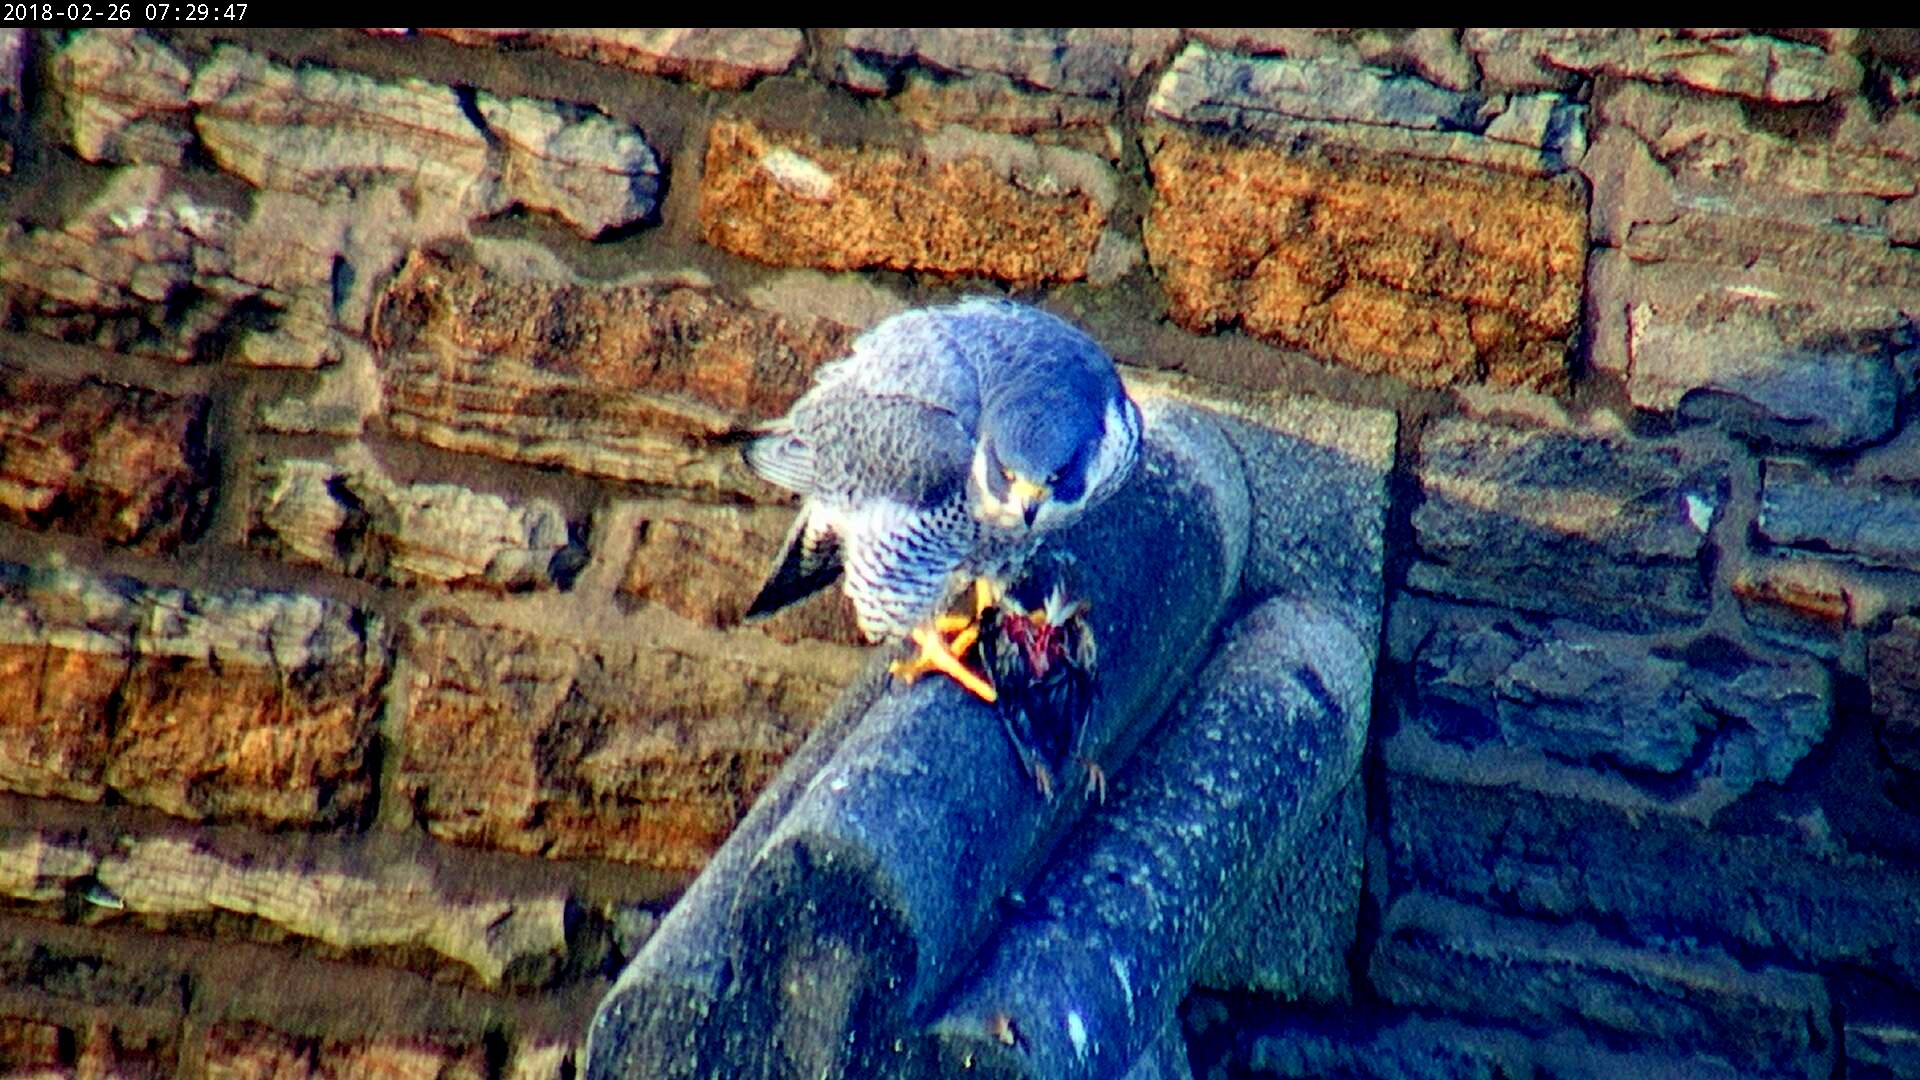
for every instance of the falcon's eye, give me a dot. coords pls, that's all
(1007, 474)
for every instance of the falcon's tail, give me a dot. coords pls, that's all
(809, 563)
(774, 453)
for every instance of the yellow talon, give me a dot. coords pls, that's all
(936, 655)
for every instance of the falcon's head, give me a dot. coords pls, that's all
(1048, 450)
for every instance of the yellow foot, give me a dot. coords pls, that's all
(936, 655)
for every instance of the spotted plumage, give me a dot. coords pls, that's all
(941, 450)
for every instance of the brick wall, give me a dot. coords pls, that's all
(370, 565)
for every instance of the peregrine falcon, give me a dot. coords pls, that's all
(941, 451)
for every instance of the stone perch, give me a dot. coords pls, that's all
(1079, 981)
(899, 849)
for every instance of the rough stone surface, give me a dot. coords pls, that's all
(1776, 254)
(1893, 677)
(1288, 931)
(723, 58)
(584, 168)
(1060, 86)
(1707, 712)
(151, 267)
(959, 203)
(703, 562)
(1703, 144)
(75, 972)
(1796, 892)
(1432, 53)
(1444, 955)
(1786, 372)
(128, 465)
(1754, 66)
(201, 704)
(1882, 1049)
(1204, 86)
(1082, 62)
(1239, 774)
(1317, 475)
(1596, 525)
(351, 518)
(1804, 507)
(1434, 272)
(326, 896)
(630, 380)
(123, 98)
(1321, 96)
(1409, 1046)
(1771, 350)
(987, 101)
(309, 130)
(13, 65)
(141, 269)
(1807, 600)
(38, 866)
(234, 1051)
(397, 906)
(646, 754)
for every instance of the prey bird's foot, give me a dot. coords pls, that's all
(1096, 780)
(935, 654)
(1043, 780)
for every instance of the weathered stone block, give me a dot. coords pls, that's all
(1893, 678)
(1774, 355)
(1811, 602)
(1432, 271)
(123, 97)
(241, 1049)
(723, 57)
(1597, 525)
(1060, 86)
(235, 704)
(351, 518)
(1882, 1049)
(1432, 53)
(1444, 955)
(1755, 66)
(1330, 95)
(1404, 1045)
(80, 1046)
(1801, 506)
(128, 465)
(13, 66)
(337, 900)
(1082, 62)
(959, 203)
(37, 865)
(704, 562)
(149, 267)
(1707, 144)
(86, 973)
(485, 354)
(1706, 713)
(309, 129)
(931, 99)
(1796, 893)
(1786, 373)
(559, 747)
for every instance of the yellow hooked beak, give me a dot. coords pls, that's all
(1026, 496)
